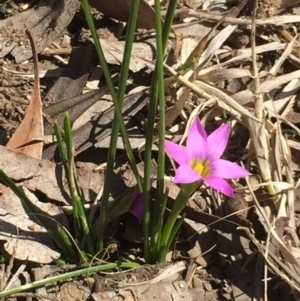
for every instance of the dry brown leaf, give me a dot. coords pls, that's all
(119, 10)
(48, 177)
(25, 242)
(32, 124)
(24, 238)
(74, 291)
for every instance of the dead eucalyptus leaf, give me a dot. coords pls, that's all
(32, 125)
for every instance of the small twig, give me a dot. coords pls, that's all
(57, 51)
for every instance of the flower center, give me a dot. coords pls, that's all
(201, 168)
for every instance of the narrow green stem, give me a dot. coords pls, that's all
(156, 79)
(162, 201)
(50, 280)
(117, 121)
(155, 237)
(118, 102)
(180, 202)
(81, 222)
(117, 99)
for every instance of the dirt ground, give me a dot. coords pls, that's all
(212, 259)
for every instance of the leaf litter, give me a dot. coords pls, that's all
(261, 100)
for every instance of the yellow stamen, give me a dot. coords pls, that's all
(203, 169)
(197, 166)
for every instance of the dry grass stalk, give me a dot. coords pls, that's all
(275, 20)
(208, 92)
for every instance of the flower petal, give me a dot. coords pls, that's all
(137, 206)
(217, 141)
(177, 152)
(227, 170)
(196, 143)
(220, 185)
(185, 174)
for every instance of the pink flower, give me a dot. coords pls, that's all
(200, 159)
(137, 206)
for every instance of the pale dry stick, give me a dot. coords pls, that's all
(280, 202)
(258, 131)
(5, 276)
(282, 151)
(56, 51)
(288, 50)
(12, 281)
(243, 54)
(275, 20)
(58, 57)
(291, 193)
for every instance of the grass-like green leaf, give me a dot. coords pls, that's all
(118, 102)
(68, 275)
(156, 96)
